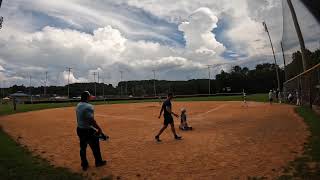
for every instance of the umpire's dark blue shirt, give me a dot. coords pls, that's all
(166, 103)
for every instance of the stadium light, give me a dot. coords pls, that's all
(274, 56)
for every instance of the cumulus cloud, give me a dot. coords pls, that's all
(1, 68)
(197, 32)
(177, 38)
(105, 51)
(71, 78)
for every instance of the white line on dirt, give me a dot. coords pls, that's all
(198, 116)
(118, 117)
(207, 112)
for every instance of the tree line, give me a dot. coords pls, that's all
(261, 79)
(257, 80)
(295, 67)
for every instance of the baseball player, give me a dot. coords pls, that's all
(168, 119)
(244, 97)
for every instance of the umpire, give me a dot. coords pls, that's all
(86, 126)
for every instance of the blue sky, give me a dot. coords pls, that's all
(178, 39)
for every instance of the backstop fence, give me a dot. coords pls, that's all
(305, 87)
(301, 51)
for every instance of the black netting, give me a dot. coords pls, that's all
(301, 83)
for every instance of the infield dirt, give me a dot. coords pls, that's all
(229, 141)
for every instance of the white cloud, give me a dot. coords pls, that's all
(133, 36)
(105, 51)
(197, 32)
(1, 68)
(72, 78)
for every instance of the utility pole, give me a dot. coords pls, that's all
(284, 62)
(69, 71)
(3, 86)
(209, 77)
(126, 88)
(300, 37)
(274, 56)
(98, 77)
(103, 88)
(45, 85)
(121, 76)
(30, 93)
(95, 84)
(154, 83)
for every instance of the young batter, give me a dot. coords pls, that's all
(183, 117)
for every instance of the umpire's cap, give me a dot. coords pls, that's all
(85, 96)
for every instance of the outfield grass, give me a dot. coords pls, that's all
(6, 109)
(253, 97)
(308, 165)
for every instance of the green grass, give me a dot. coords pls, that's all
(18, 163)
(253, 97)
(307, 166)
(6, 109)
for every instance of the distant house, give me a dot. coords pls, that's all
(20, 96)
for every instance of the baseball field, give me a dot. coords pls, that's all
(229, 140)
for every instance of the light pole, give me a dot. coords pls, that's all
(154, 83)
(209, 77)
(299, 34)
(95, 85)
(30, 89)
(98, 80)
(103, 88)
(274, 56)
(45, 85)
(209, 74)
(121, 76)
(284, 62)
(69, 71)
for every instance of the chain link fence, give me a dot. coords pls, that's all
(304, 89)
(301, 52)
